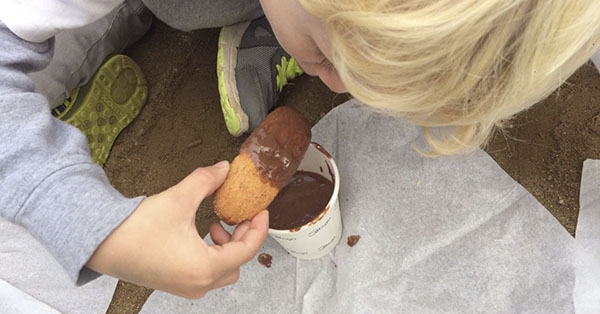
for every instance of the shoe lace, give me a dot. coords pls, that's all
(62, 109)
(287, 70)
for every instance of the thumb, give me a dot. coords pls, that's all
(202, 182)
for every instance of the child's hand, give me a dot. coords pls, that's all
(158, 246)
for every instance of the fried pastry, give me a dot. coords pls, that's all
(267, 159)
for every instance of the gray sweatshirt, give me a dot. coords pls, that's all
(48, 182)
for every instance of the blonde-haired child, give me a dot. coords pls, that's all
(460, 68)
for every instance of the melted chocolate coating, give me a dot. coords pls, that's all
(352, 240)
(278, 144)
(300, 201)
(265, 259)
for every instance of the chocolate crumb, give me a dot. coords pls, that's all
(265, 259)
(352, 240)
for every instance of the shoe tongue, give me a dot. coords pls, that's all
(261, 32)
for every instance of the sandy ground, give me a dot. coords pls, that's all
(181, 128)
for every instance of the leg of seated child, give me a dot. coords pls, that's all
(80, 52)
(89, 85)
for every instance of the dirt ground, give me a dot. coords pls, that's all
(181, 128)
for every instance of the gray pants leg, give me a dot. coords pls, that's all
(80, 52)
(187, 15)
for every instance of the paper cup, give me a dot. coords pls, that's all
(319, 236)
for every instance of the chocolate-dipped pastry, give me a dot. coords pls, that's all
(266, 161)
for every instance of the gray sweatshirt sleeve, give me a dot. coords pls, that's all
(48, 183)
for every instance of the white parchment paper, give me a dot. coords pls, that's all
(587, 296)
(444, 235)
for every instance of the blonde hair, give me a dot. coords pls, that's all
(459, 68)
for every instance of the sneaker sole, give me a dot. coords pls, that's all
(229, 40)
(107, 104)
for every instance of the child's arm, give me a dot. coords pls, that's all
(48, 182)
(49, 185)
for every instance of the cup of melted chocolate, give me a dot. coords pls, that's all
(305, 216)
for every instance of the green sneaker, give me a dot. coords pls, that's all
(252, 69)
(108, 103)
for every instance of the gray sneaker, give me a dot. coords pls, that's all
(252, 69)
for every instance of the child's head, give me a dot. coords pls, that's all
(464, 65)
